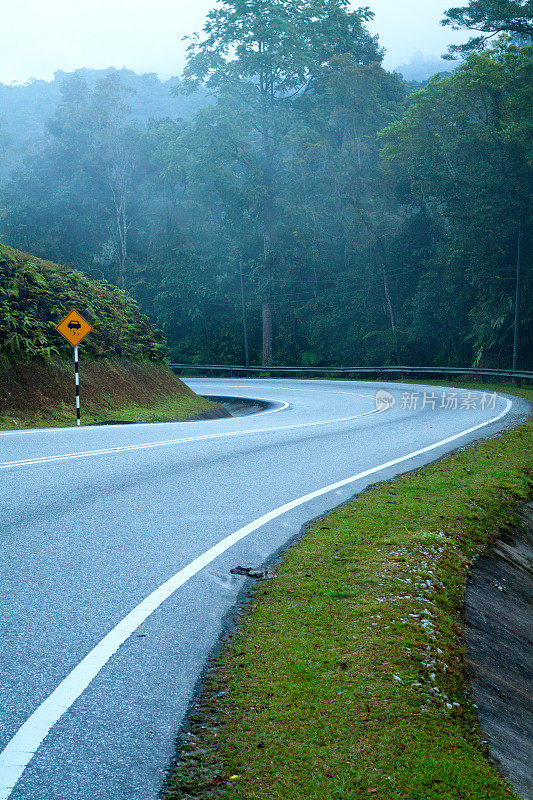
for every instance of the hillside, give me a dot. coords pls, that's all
(123, 372)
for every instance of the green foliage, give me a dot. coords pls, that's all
(27, 107)
(490, 17)
(276, 46)
(36, 295)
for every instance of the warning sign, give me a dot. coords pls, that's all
(74, 328)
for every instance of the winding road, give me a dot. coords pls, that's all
(116, 549)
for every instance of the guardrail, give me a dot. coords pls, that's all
(515, 375)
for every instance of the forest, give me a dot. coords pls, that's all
(294, 202)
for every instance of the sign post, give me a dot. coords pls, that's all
(77, 378)
(74, 328)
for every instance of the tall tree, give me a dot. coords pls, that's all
(262, 54)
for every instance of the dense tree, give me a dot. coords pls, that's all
(269, 227)
(464, 149)
(70, 199)
(28, 106)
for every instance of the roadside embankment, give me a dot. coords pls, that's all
(41, 394)
(346, 675)
(122, 370)
(499, 609)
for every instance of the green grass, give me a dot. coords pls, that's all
(345, 677)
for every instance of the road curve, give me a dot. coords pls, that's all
(117, 543)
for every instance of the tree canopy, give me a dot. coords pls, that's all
(490, 18)
(277, 46)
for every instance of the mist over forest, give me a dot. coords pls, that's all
(287, 200)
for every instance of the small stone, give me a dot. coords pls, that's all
(250, 572)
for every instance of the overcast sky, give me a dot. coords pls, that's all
(42, 36)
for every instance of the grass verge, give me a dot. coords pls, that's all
(345, 677)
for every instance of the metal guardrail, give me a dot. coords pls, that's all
(516, 375)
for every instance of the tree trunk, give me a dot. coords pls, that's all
(268, 252)
(244, 322)
(518, 288)
(388, 300)
(380, 253)
(267, 305)
(267, 334)
(122, 229)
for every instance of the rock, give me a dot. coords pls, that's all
(250, 572)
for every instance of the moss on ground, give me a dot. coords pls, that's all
(345, 677)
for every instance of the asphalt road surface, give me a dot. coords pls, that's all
(116, 547)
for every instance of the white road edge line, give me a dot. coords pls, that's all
(147, 445)
(21, 748)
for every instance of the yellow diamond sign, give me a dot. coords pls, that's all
(74, 328)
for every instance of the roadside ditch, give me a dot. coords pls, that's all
(242, 406)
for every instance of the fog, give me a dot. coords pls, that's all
(146, 35)
(319, 216)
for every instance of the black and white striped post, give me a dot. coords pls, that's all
(77, 375)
